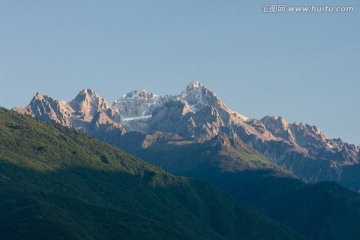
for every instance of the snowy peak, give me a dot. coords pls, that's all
(194, 85)
(139, 94)
(198, 113)
(195, 100)
(140, 103)
(198, 95)
(137, 104)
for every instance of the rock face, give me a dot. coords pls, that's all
(88, 112)
(46, 108)
(198, 114)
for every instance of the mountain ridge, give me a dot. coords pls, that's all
(57, 183)
(198, 113)
(321, 211)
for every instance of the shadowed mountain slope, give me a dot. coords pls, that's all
(320, 211)
(56, 183)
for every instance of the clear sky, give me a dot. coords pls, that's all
(302, 66)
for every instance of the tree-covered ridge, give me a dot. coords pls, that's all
(56, 183)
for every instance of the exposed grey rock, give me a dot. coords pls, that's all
(88, 112)
(198, 114)
(46, 108)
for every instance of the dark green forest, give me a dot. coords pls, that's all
(56, 183)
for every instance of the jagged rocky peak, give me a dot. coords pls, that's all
(89, 96)
(278, 127)
(87, 103)
(140, 103)
(338, 143)
(88, 112)
(194, 85)
(272, 120)
(38, 95)
(41, 97)
(198, 95)
(199, 114)
(46, 108)
(306, 134)
(298, 133)
(275, 124)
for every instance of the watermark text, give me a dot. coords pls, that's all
(282, 8)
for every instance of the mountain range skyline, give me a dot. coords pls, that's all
(301, 66)
(198, 115)
(144, 91)
(94, 181)
(180, 120)
(277, 167)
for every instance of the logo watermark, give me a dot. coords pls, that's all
(282, 8)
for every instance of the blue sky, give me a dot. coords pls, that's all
(302, 66)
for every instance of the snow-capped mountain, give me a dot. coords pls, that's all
(198, 113)
(138, 104)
